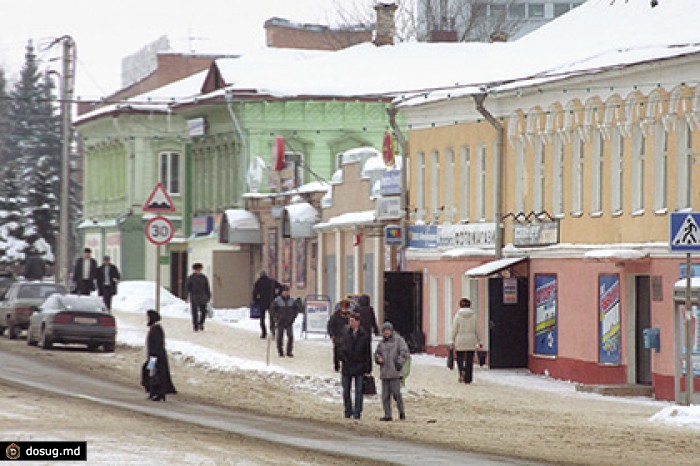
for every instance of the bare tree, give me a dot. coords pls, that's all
(471, 20)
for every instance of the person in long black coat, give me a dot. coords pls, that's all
(157, 382)
(264, 292)
(368, 321)
(336, 326)
(107, 279)
(356, 359)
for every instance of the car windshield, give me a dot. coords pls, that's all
(39, 291)
(82, 304)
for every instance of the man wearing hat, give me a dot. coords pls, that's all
(107, 279)
(85, 273)
(198, 294)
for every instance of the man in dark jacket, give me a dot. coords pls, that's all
(264, 291)
(337, 324)
(198, 294)
(107, 279)
(284, 310)
(356, 359)
(368, 320)
(34, 267)
(85, 273)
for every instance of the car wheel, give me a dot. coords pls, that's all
(92, 347)
(13, 332)
(109, 347)
(45, 339)
(30, 340)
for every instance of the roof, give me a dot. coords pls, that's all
(489, 268)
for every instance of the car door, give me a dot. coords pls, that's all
(6, 304)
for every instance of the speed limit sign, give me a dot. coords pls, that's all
(159, 230)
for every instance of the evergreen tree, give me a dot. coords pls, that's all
(4, 119)
(12, 222)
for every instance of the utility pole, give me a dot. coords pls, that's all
(67, 84)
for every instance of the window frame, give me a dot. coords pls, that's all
(168, 173)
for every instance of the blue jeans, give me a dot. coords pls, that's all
(347, 400)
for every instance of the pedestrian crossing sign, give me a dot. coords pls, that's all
(685, 231)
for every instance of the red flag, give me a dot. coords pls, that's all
(278, 153)
(388, 150)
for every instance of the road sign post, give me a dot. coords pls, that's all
(685, 236)
(159, 230)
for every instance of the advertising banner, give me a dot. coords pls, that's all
(317, 311)
(472, 235)
(423, 236)
(388, 208)
(609, 314)
(546, 314)
(390, 183)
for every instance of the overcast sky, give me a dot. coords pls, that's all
(105, 32)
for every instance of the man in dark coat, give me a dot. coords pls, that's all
(85, 273)
(337, 324)
(34, 267)
(155, 375)
(356, 359)
(368, 320)
(107, 279)
(198, 294)
(264, 291)
(284, 310)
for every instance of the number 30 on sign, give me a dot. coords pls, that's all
(159, 230)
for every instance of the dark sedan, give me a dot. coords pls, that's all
(73, 319)
(17, 303)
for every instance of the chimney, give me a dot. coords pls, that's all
(385, 27)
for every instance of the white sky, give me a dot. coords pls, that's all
(105, 32)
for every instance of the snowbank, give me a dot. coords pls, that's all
(139, 296)
(681, 416)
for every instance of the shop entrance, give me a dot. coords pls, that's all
(403, 298)
(508, 322)
(178, 273)
(643, 321)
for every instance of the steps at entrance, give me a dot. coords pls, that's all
(617, 390)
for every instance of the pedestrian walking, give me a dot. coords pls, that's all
(265, 291)
(465, 339)
(284, 311)
(107, 279)
(198, 294)
(391, 355)
(155, 374)
(336, 326)
(368, 320)
(85, 273)
(34, 267)
(356, 360)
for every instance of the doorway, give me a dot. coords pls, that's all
(642, 321)
(178, 273)
(403, 301)
(508, 323)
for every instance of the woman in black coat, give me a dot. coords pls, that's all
(156, 379)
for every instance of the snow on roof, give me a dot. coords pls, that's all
(494, 266)
(622, 254)
(364, 217)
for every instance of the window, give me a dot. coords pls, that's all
(420, 185)
(558, 177)
(516, 11)
(520, 176)
(435, 185)
(616, 172)
(535, 10)
(660, 166)
(497, 11)
(539, 176)
(449, 184)
(170, 171)
(577, 175)
(465, 184)
(561, 8)
(685, 165)
(638, 143)
(597, 173)
(481, 185)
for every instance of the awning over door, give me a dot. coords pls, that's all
(489, 268)
(298, 220)
(239, 226)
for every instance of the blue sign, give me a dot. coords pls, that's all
(546, 314)
(610, 335)
(390, 183)
(423, 236)
(685, 234)
(694, 271)
(392, 235)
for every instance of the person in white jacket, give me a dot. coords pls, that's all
(465, 339)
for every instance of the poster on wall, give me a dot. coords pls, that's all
(546, 314)
(287, 261)
(609, 316)
(695, 338)
(301, 263)
(272, 253)
(510, 290)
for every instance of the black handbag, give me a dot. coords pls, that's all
(450, 359)
(368, 385)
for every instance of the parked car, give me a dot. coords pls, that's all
(7, 278)
(72, 319)
(18, 301)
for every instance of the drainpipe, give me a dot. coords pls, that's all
(392, 112)
(498, 168)
(241, 136)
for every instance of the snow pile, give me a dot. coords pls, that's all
(139, 296)
(681, 416)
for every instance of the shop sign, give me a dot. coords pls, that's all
(388, 208)
(202, 225)
(471, 235)
(423, 236)
(535, 234)
(390, 183)
(392, 235)
(510, 290)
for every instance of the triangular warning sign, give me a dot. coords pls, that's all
(688, 234)
(159, 201)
